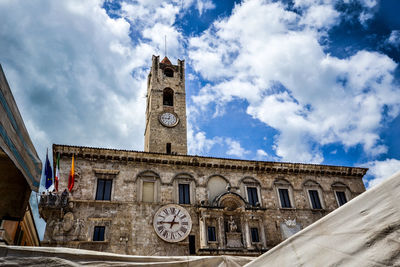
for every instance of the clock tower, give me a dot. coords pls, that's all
(166, 108)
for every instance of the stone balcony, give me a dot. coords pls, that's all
(54, 204)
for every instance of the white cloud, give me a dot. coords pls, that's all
(320, 16)
(81, 79)
(204, 5)
(262, 155)
(198, 144)
(291, 84)
(394, 39)
(74, 83)
(381, 170)
(235, 149)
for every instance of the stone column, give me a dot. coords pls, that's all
(221, 232)
(203, 231)
(262, 233)
(247, 232)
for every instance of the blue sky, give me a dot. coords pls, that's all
(312, 81)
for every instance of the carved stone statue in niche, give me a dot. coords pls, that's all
(233, 238)
(232, 225)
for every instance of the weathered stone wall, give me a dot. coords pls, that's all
(128, 220)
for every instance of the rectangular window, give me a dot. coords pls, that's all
(98, 234)
(168, 148)
(192, 245)
(314, 197)
(341, 196)
(284, 197)
(211, 233)
(148, 192)
(184, 195)
(103, 189)
(254, 235)
(252, 195)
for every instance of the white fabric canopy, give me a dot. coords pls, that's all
(56, 256)
(363, 232)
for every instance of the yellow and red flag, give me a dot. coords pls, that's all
(71, 178)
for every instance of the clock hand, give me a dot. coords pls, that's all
(172, 222)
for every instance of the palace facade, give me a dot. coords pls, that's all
(162, 201)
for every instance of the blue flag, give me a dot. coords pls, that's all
(48, 173)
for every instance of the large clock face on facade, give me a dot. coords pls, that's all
(168, 119)
(172, 223)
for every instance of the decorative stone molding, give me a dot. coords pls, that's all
(106, 171)
(93, 153)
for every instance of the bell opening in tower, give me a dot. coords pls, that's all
(169, 72)
(168, 97)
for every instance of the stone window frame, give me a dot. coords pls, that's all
(249, 181)
(92, 222)
(313, 185)
(281, 183)
(212, 222)
(258, 235)
(341, 187)
(105, 174)
(152, 177)
(184, 178)
(104, 189)
(104, 234)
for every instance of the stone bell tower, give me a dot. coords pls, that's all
(166, 108)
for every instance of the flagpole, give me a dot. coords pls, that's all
(47, 157)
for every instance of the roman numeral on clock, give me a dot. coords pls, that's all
(165, 234)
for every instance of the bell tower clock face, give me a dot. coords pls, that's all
(172, 223)
(168, 119)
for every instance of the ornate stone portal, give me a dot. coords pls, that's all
(232, 218)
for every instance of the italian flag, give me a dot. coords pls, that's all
(71, 177)
(57, 177)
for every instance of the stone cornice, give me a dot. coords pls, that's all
(93, 153)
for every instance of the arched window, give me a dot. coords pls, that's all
(169, 72)
(168, 97)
